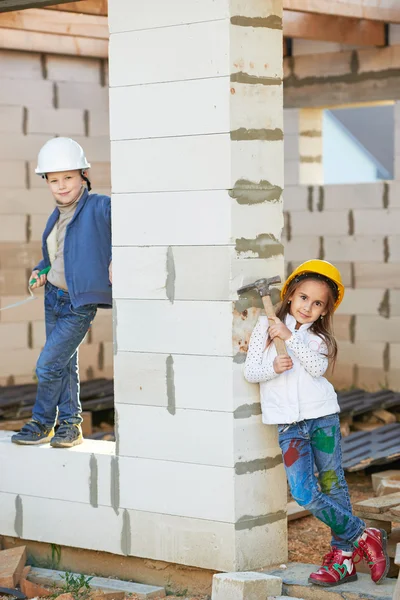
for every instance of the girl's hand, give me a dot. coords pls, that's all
(282, 364)
(110, 272)
(39, 280)
(278, 329)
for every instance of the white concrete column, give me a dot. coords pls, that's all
(197, 178)
(311, 146)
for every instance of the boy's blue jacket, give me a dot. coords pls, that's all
(87, 251)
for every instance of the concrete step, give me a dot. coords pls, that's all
(295, 585)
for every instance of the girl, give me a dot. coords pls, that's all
(77, 263)
(296, 397)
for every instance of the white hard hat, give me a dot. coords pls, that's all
(61, 154)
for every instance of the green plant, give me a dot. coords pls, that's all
(55, 556)
(76, 585)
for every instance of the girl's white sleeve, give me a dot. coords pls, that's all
(258, 366)
(315, 362)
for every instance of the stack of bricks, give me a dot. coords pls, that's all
(357, 228)
(43, 96)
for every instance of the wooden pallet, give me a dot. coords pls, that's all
(382, 512)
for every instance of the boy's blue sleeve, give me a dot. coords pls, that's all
(40, 266)
(107, 216)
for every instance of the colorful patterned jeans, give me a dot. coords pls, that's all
(314, 445)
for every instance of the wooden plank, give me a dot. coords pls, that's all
(343, 30)
(295, 511)
(387, 11)
(366, 516)
(89, 7)
(60, 22)
(8, 5)
(379, 505)
(15, 425)
(31, 41)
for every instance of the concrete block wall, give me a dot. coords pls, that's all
(357, 228)
(42, 96)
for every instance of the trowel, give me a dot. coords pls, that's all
(31, 296)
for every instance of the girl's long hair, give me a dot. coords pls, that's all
(322, 327)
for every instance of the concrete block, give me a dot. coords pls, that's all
(176, 327)
(12, 175)
(102, 327)
(191, 107)
(182, 540)
(370, 61)
(50, 520)
(376, 222)
(301, 248)
(130, 15)
(331, 224)
(134, 222)
(394, 300)
(394, 195)
(22, 92)
(148, 272)
(199, 491)
(18, 201)
(354, 196)
(394, 248)
(304, 47)
(73, 69)
(361, 354)
(262, 493)
(39, 334)
(248, 225)
(257, 161)
(89, 96)
(13, 281)
(393, 379)
(141, 426)
(20, 65)
(354, 248)
(174, 53)
(11, 120)
(183, 163)
(258, 108)
(142, 379)
(337, 63)
(292, 149)
(341, 324)
(12, 561)
(17, 255)
(20, 147)
(100, 175)
(377, 329)
(73, 476)
(13, 228)
(310, 146)
(245, 586)
(7, 513)
(32, 311)
(311, 173)
(64, 121)
(96, 149)
(270, 541)
(394, 34)
(13, 336)
(377, 275)
(296, 198)
(371, 379)
(99, 123)
(343, 376)
(362, 302)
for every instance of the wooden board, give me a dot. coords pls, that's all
(380, 10)
(379, 505)
(328, 28)
(295, 511)
(89, 7)
(60, 22)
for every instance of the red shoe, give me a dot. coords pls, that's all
(337, 568)
(372, 547)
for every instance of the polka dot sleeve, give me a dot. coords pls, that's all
(258, 366)
(315, 362)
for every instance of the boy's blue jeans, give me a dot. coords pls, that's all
(317, 442)
(57, 367)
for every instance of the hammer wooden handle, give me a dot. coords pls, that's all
(269, 311)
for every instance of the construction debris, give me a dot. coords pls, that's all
(12, 562)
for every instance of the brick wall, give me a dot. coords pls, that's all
(357, 228)
(42, 96)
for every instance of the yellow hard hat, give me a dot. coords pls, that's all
(320, 267)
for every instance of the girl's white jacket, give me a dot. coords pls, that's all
(297, 394)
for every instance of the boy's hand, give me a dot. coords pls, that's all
(282, 364)
(110, 272)
(278, 329)
(39, 280)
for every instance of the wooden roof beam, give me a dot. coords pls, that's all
(8, 5)
(88, 7)
(344, 30)
(387, 11)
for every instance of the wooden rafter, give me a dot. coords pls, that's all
(345, 30)
(89, 7)
(377, 10)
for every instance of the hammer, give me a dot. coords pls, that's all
(263, 288)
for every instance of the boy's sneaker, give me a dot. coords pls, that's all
(372, 547)
(337, 568)
(67, 435)
(33, 433)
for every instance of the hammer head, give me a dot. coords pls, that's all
(262, 286)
